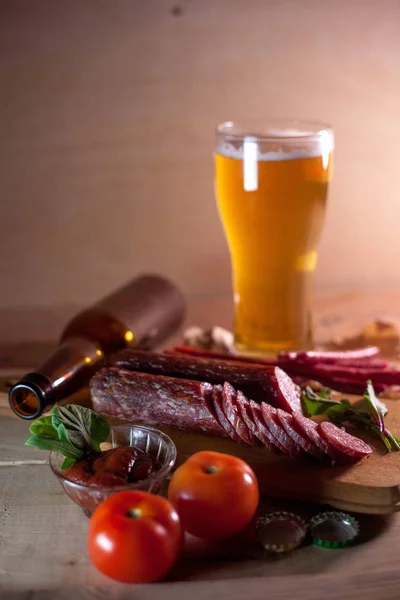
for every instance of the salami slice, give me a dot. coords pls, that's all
(349, 447)
(288, 394)
(245, 413)
(271, 421)
(155, 400)
(221, 416)
(287, 423)
(262, 432)
(232, 413)
(309, 429)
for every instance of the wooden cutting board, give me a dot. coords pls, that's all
(371, 486)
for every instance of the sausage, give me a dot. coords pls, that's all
(286, 421)
(261, 383)
(330, 356)
(309, 429)
(221, 416)
(262, 432)
(290, 446)
(155, 400)
(216, 410)
(346, 446)
(232, 413)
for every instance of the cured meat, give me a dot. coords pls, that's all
(217, 410)
(245, 413)
(309, 429)
(191, 351)
(271, 421)
(287, 423)
(345, 371)
(288, 396)
(155, 400)
(232, 413)
(329, 356)
(261, 383)
(262, 432)
(346, 445)
(221, 416)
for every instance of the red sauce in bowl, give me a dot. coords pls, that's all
(114, 467)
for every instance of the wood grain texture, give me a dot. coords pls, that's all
(107, 118)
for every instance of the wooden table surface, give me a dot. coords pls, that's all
(43, 534)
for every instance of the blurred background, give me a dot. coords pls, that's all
(107, 118)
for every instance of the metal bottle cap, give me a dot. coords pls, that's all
(281, 531)
(333, 529)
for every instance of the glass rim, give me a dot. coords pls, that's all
(270, 130)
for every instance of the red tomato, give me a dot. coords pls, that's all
(134, 537)
(216, 495)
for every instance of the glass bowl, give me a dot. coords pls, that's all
(160, 447)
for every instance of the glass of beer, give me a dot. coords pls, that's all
(271, 185)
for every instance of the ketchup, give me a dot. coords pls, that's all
(115, 467)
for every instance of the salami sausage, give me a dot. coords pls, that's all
(309, 429)
(261, 383)
(270, 419)
(217, 410)
(346, 445)
(155, 400)
(286, 421)
(245, 413)
(232, 413)
(329, 356)
(262, 432)
(221, 416)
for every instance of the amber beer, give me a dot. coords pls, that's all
(271, 191)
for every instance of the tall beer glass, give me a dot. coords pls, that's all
(271, 184)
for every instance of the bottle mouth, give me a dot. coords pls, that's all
(25, 402)
(29, 397)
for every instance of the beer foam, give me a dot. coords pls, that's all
(323, 146)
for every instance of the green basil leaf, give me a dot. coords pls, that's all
(84, 427)
(313, 404)
(338, 413)
(44, 427)
(99, 429)
(67, 463)
(43, 443)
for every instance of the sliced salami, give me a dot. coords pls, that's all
(262, 432)
(271, 421)
(232, 413)
(245, 413)
(221, 416)
(350, 447)
(155, 400)
(218, 410)
(288, 394)
(309, 429)
(287, 423)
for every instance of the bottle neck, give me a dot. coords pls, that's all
(69, 368)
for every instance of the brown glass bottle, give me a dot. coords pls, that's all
(141, 314)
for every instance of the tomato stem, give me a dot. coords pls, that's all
(134, 513)
(210, 470)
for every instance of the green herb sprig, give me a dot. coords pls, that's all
(371, 420)
(72, 430)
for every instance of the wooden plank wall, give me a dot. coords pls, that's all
(107, 112)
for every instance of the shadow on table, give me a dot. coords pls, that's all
(243, 556)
